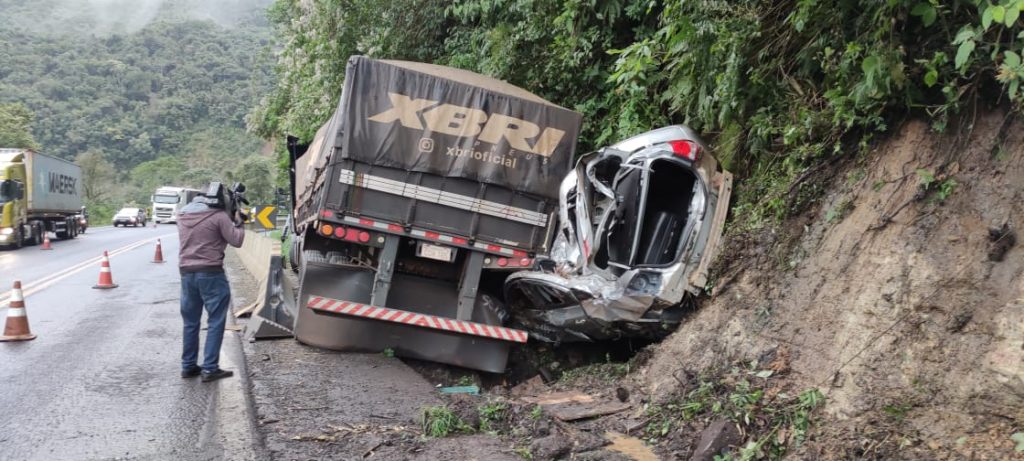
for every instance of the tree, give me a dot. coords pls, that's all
(16, 127)
(98, 175)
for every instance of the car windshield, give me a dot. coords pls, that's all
(128, 212)
(166, 199)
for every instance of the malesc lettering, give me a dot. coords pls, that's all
(467, 122)
(63, 184)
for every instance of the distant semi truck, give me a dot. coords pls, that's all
(38, 194)
(168, 201)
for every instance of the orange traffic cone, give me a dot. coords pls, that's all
(16, 328)
(46, 242)
(106, 280)
(159, 256)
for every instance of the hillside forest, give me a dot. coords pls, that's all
(138, 101)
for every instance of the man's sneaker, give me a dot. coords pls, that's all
(191, 372)
(215, 375)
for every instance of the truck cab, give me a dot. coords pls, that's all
(12, 204)
(38, 194)
(168, 201)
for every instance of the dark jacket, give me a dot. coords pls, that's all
(203, 233)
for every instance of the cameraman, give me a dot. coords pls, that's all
(204, 231)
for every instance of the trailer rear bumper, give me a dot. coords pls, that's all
(399, 316)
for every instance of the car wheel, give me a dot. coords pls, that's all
(17, 238)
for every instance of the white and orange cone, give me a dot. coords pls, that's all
(106, 279)
(46, 242)
(16, 328)
(159, 256)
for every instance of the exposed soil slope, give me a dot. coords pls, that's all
(897, 305)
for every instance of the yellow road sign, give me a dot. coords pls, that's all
(266, 216)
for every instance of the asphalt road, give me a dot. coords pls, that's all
(101, 380)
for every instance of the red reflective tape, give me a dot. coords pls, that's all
(422, 320)
(493, 248)
(432, 235)
(366, 222)
(518, 253)
(459, 241)
(395, 228)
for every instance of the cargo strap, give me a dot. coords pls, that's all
(440, 197)
(411, 318)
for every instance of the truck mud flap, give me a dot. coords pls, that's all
(334, 313)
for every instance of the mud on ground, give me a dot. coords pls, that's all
(901, 298)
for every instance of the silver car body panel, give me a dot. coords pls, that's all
(587, 297)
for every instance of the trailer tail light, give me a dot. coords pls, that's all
(685, 149)
(326, 229)
(339, 232)
(364, 236)
(525, 262)
(503, 262)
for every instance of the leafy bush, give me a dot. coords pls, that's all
(775, 87)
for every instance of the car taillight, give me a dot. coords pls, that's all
(685, 149)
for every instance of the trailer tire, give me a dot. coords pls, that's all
(295, 255)
(17, 238)
(38, 234)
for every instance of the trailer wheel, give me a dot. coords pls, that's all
(294, 256)
(17, 237)
(38, 234)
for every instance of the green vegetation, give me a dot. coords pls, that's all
(442, 422)
(16, 127)
(491, 414)
(159, 104)
(772, 421)
(776, 87)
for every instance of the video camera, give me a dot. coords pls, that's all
(219, 196)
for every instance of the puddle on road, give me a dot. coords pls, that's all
(632, 447)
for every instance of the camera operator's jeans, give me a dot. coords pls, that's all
(198, 289)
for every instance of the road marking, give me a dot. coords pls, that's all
(42, 283)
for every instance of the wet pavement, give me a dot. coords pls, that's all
(101, 380)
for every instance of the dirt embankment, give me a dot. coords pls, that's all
(903, 303)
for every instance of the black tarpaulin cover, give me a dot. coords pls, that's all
(455, 123)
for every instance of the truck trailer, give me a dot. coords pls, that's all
(38, 194)
(427, 187)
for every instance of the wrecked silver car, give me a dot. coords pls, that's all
(640, 222)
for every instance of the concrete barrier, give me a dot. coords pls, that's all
(257, 251)
(274, 309)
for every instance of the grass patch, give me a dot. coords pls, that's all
(442, 422)
(492, 414)
(603, 372)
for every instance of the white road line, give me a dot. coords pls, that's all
(44, 282)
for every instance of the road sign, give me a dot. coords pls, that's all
(266, 216)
